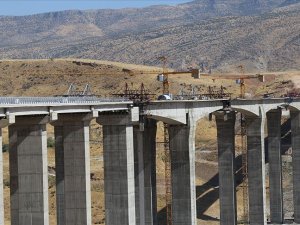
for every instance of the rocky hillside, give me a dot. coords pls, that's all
(262, 34)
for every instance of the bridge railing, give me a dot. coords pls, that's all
(57, 100)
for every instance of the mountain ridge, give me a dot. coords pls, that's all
(114, 34)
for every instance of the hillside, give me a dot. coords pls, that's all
(263, 34)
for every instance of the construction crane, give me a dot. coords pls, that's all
(168, 175)
(164, 76)
(240, 79)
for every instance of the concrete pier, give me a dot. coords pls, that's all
(182, 147)
(275, 166)
(118, 169)
(28, 171)
(256, 170)
(226, 158)
(72, 159)
(295, 128)
(1, 182)
(145, 173)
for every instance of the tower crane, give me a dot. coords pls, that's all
(240, 79)
(164, 78)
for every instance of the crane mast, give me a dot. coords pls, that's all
(168, 175)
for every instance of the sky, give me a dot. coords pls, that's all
(28, 7)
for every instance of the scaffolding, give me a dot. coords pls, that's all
(243, 139)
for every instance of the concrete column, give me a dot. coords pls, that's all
(182, 147)
(226, 156)
(118, 169)
(275, 166)
(28, 171)
(1, 183)
(256, 170)
(72, 160)
(295, 127)
(145, 173)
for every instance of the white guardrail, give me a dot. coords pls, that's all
(57, 100)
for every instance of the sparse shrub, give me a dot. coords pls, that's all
(6, 182)
(51, 181)
(5, 148)
(50, 142)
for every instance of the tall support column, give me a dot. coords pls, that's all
(72, 159)
(118, 169)
(295, 127)
(226, 155)
(28, 171)
(182, 147)
(256, 170)
(145, 173)
(275, 166)
(1, 182)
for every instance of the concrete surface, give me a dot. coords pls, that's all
(145, 173)
(183, 174)
(28, 171)
(72, 158)
(118, 171)
(275, 166)
(256, 170)
(226, 160)
(295, 127)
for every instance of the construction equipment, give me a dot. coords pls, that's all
(74, 92)
(168, 176)
(243, 139)
(240, 79)
(139, 95)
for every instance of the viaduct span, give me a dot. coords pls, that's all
(129, 158)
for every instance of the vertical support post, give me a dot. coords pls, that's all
(275, 166)
(226, 156)
(1, 182)
(256, 170)
(145, 173)
(72, 159)
(118, 169)
(182, 147)
(295, 127)
(28, 171)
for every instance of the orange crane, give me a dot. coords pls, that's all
(164, 76)
(240, 79)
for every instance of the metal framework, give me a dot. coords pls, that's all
(168, 175)
(138, 96)
(244, 170)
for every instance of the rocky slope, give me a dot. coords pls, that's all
(263, 34)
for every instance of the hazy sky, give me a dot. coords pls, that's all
(25, 7)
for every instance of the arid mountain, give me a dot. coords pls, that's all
(262, 34)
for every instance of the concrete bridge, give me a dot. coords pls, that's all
(129, 158)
